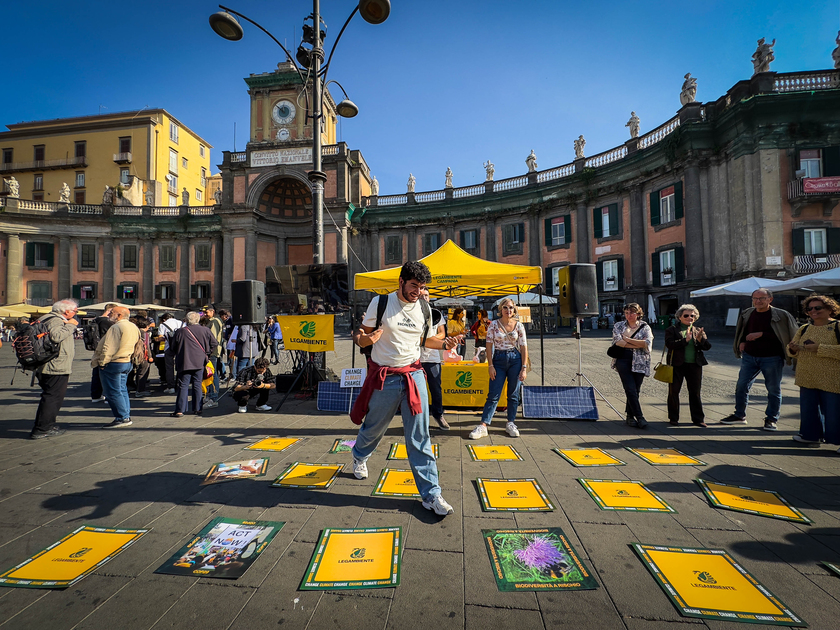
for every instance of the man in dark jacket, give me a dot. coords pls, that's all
(192, 345)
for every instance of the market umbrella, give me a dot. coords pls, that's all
(527, 299)
(29, 309)
(7, 312)
(744, 286)
(153, 307)
(651, 314)
(454, 302)
(826, 280)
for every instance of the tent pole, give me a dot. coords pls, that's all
(542, 338)
(352, 330)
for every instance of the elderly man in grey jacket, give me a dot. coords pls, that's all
(54, 376)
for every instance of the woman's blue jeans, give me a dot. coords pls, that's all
(508, 365)
(819, 415)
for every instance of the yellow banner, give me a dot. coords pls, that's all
(465, 384)
(315, 333)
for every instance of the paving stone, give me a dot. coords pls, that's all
(431, 591)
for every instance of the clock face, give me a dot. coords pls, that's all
(283, 134)
(283, 112)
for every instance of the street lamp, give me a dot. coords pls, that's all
(372, 11)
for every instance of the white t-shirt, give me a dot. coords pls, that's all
(402, 328)
(431, 355)
(168, 328)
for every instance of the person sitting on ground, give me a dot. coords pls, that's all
(255, 380)
(817, 350)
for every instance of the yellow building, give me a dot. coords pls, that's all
(148, 154)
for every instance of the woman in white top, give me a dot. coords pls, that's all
(507, 354)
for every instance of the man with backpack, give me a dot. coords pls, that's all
(93, 333)
(54, 375)
(396, 381)
(113, 357)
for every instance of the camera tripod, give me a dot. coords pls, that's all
(582, 377)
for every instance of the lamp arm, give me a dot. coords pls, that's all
(259, 26)
(326, 67)
(341, 87)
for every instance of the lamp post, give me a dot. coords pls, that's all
(372, 11)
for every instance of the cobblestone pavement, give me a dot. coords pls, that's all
(149, 476)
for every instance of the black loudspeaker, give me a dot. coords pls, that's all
(578, 286)
(248, 298)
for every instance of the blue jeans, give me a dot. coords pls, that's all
(114, 377)
(632, 383)
(771, 368)
(213, 390)
(433, 377)
(189, 380)
(508, 365)
(241, 364)
(819, 413)
(384, 404)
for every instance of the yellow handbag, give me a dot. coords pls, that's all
(662, 371)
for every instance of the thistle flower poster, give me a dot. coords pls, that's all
(343, 446)
(536, 560)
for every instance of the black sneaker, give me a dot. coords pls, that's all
(442, 423)
(769, 424)
(54, 431)
(733, 419)
(119, 424)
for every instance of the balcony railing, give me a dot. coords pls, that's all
(555, 173)
(128, 211)
(123, 158)
(468, 191)
(165, 211)
(813, 187)
(812, 263)
(43, 165)
(606, 157)
(807, 81)
(510, 183)
(393, 200)
(201, 210)
(238, 157)
(652, 137)
(425, 197)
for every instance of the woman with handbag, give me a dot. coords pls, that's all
(479, 332)
(632, 341)
(507, 354)
(686, 344)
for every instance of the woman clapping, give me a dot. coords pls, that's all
(686, 344)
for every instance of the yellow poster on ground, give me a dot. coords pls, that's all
(624, 495)
(512, 495)
(305, 475)
(395, 483)
(709, 584)
(398, 451)
(583, 457)
(500, 453)
(751, 501)
(355, 558)
(665, 457)
(315, 333)
(274, 444)
(70, 559)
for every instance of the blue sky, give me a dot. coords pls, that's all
(438, 84)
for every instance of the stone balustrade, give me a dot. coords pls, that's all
(201, 210)
(468, 191)
(652, 137)
(606, 157)
(807, 81)
(435, 195)
(557, 172)
(510, 183)
(36, 206)
(392, 200)
(83, 209)
(127, 211)
(242, 156)
(165, 211)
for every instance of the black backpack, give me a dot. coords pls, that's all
(33, 346)
(90, 333)
(381, 305)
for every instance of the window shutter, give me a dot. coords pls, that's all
(567, 223)
(613, 219)
(798, 242)
(621, 274)
(679, 263)
(547, 224)
(597, 223)
(77, 292)
(119, 292)
(655, 268)
(521, 233)
(599, 273)
(549, 289)
(462, 240)
(654, 208)
(157, 292)
(193, 291)
(678, 200)
(50, 259)
(30, 254)
(831, 161)
(833, 240)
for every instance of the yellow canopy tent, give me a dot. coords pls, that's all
(8, 312)
(456, 273)
(30, 310)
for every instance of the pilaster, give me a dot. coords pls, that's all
(14, 270)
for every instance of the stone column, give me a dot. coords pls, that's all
(584, 254)
(694, 256)
(534, 241)
(108, 286)
(251, 255)
(184, 277)
(227, 266)
(148, 291)
(280, 257)
(64, 289)
(14, 270)
(638, 251)
(342, 245)
(218, 266)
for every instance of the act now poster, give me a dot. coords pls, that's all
(315, 333)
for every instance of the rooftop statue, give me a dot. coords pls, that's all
(491, 169)
(374, 186)
(411, 182)
(633, 123)
(14, 186)
(531, 161)
(835, 54)
(762, 56)
(64, 193)
(580, 144)
(448, 176)
(689, 90)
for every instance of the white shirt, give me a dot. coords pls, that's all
(402, 328)
(432, 355)
(168, 328)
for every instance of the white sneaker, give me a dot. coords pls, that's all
(438, 505)
(171, 390)
(243, 410)
(512, 431)
(479, 432)
(359, 469)
(264, 408)
(209, 404)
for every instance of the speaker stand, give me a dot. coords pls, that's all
(310, 374)
(582, 377)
